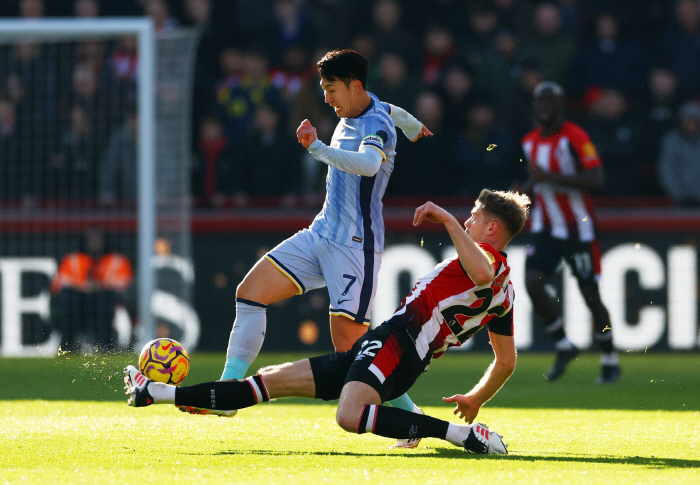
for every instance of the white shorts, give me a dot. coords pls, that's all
(311, 261)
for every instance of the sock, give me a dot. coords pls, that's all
(162, 393)
(246, 338)
(457, 433)
(605, 341)
(403, 402)
(399, 424)
(606, 358)
(556, 332)
(232, 394)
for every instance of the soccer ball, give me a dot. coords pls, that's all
(164, 360)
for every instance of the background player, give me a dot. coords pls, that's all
(563, 166)
(342, 248)
(445, 308)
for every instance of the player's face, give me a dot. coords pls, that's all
(548, 108)
(477, 225)
(338, 96)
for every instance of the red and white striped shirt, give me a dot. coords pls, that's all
(446, 307)
(564, 211)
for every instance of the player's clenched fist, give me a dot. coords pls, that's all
(306, 133)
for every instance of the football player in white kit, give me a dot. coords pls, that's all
(342, 248)
(446, 307)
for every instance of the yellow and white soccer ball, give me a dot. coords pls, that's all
(164, 360)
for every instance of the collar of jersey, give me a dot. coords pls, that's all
(369, 106)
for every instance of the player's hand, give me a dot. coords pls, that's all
(306, 134)
(432, 212)
(465, 406)
(423, 132)
(538, 175)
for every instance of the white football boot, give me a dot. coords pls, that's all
(137, 387)
(408, 443)
(482, 440)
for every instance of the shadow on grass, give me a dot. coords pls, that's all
(644, 461)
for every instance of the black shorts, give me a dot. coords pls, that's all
(384, 358)
(544, 253)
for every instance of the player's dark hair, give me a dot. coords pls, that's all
(345, 65)
(510, 208)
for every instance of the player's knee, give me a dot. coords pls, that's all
(347, 419)
(534, 281)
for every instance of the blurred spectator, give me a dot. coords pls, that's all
(30, 71)
(659, 109)
(609, 62)
(479, 163)
(238, 97)
(680, 47)
(503, 66)
(206, 71)
(438, 51)
(294, 72)
(103, 106)
(483, 24)
(118, 169)
(458, 95)
(390, 36)
(86, 290)
(72, 170)
(365, 45)
(679, 161)
(86, 8)
(32, 9)
(516, 108)
(292, 27)
(552, 49)
(424, 168)
(159, 12)
(212, 152)
(266, 162)
(9, 150)
(394, 85)
(513, 14)
(616, 131)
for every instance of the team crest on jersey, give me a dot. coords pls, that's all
(589, 151)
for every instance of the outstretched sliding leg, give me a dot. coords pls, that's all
(359, 409)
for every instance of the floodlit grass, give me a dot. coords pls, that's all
(63, 422)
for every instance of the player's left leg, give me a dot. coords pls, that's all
(360, 411)
(586, 268)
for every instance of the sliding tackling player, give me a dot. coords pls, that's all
(445, 308)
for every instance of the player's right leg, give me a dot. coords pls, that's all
(289, 269)
(544, 255)
(264, 284)
(285, 380)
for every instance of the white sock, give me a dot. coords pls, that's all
(457, 433)
(563, 344)
(162, 393)
(246, 337)
(609, 359)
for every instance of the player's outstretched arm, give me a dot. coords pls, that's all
(474, 260)
(364, 162)
(468, 405)
(406, 122)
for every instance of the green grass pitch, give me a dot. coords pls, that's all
(65, 420)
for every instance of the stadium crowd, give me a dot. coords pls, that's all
(630, 68)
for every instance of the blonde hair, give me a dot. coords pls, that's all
(510, 207)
